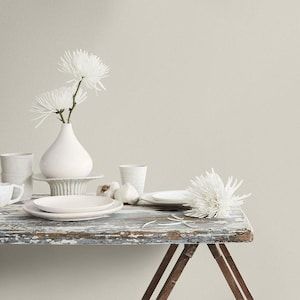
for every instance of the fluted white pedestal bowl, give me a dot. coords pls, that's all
(67, 186)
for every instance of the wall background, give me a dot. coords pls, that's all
(193, 85)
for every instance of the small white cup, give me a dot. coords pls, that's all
(17, 169)
(6, 193)
(135, 175)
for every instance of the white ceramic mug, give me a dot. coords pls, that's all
(6, 193)
(135, 175)
(17, 169)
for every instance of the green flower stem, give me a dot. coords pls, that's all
(62, 116)
(60, 113)
(74, 102)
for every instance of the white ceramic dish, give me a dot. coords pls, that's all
(149, 198)
(31, 209)
(173, 196)
(135, 175)
(67, 186)
(41, 177)
(73, 204)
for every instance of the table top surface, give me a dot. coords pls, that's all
(126, 227)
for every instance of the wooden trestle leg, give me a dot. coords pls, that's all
(217, 254)
(184, 257)
(235, 271)
(160, 271)
(222, 257)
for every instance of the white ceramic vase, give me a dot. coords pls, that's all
(66, 157)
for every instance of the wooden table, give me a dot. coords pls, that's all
(127, 228)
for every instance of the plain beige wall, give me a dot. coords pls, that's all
(194, 85)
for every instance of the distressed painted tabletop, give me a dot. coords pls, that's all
(125, 227)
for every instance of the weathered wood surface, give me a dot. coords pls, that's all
(122, 228)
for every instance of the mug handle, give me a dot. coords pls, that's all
(21, 188)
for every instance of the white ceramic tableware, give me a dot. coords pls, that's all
(66, 157)
(127, 193)
(17, 169)
(67, 186)
(31, 209)
(173, 196)
(73, 204)
(148, 197)
(6, 193)
(108, 190)
(135, 175)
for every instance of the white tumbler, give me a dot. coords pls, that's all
(135, 175)
(17, 169)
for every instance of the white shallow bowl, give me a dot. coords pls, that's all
(173, 196)
(31, 209)
(73, 204)
(148, 197)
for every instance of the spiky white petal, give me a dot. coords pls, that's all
(212, 198)
(85, 66)
(54, 101)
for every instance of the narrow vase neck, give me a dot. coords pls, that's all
(66, 130)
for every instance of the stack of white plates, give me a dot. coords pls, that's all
(72, 208)
(168, 198)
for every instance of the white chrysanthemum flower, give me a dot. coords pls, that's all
(86, 67)
(212, 198)
(55, 101)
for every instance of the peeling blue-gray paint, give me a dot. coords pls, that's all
(122, 228)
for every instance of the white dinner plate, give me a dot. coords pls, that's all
(179, 196)
(148, 197)
(30, 208)
(73, 204)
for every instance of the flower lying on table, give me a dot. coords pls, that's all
(212, 198)
(176, 220)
